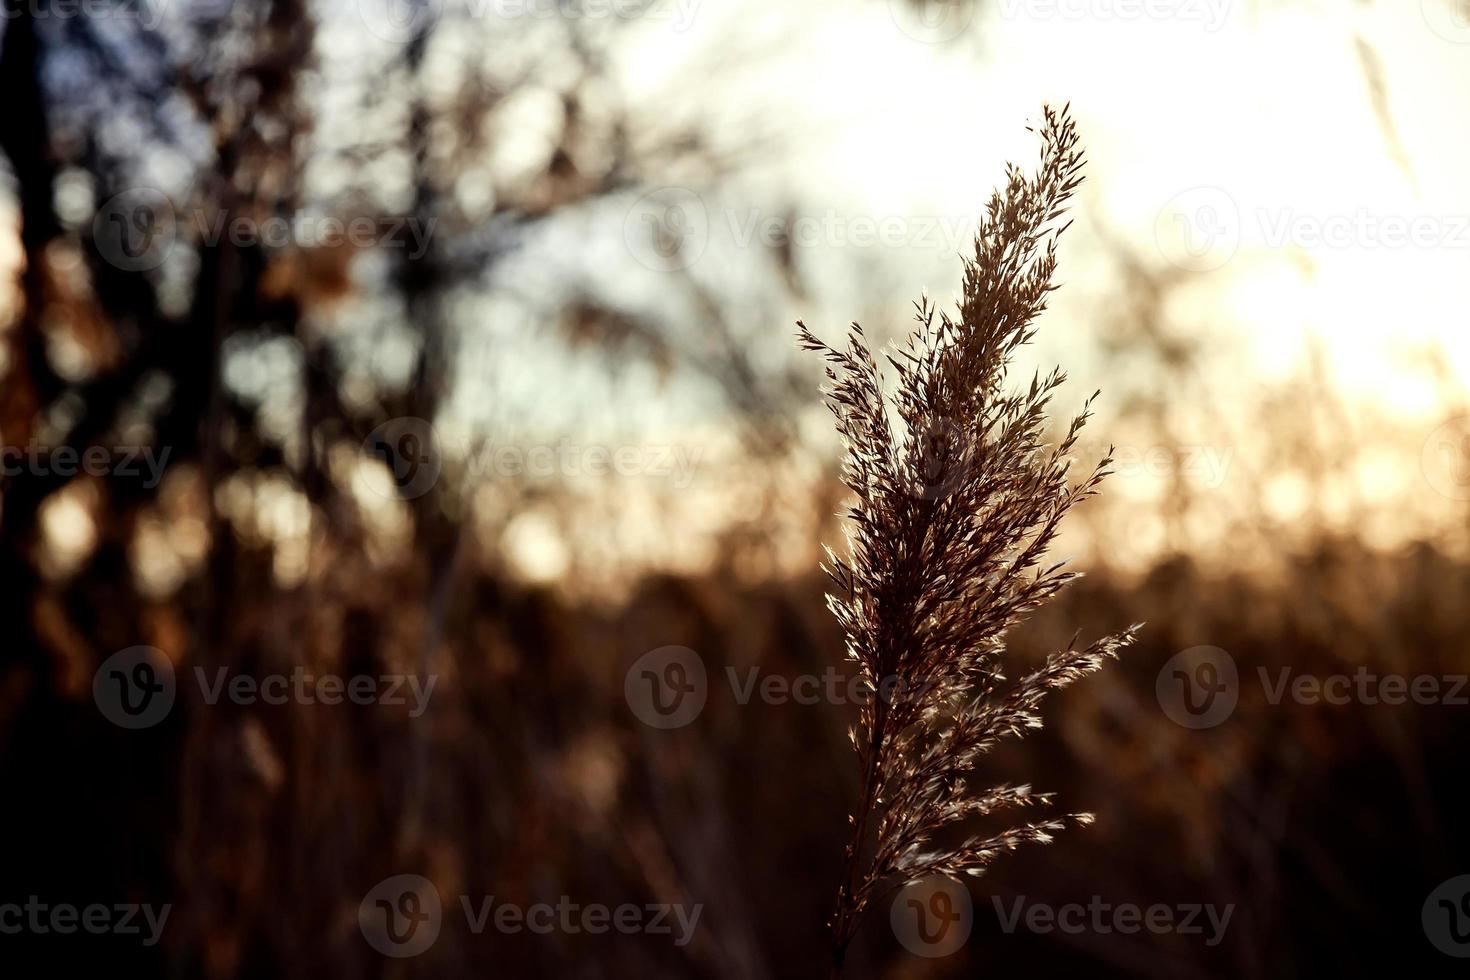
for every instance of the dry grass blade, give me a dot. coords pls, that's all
(954, 514)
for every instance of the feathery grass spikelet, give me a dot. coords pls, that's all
(953, 517)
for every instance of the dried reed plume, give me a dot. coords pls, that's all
(953, 516)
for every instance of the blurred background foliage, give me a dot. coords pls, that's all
(596, 231)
